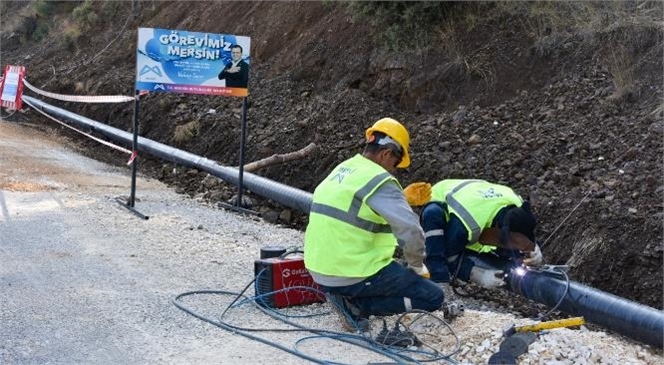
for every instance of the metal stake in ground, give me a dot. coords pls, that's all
(243, 137)
(131, 201)
(238, 207)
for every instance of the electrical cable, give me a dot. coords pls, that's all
(344, 337)
(455, 284)
(240, 295)
(232, 329)
(564, 219)
(290, 252)
(352, 339)
(555, 307)
(334, 337)
(422, 314)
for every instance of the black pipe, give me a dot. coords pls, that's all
(629, 318)
(634, 320)
(284, 194)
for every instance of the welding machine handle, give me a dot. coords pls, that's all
(290, 253)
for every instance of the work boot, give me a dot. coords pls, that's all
(349, 314)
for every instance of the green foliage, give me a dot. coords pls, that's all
(41, 30)
(84, 14)
(43, 12)
(43, 8)
(404, 23)
(110, 8)
(71, 35)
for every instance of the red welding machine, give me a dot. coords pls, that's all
(283, 272)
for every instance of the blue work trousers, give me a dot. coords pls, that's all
(446, 242)
(392, 290)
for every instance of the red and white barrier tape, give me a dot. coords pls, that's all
(133, 154)
(81, 98)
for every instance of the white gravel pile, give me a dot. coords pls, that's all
(482, 332)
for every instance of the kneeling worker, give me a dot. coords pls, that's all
(475, 230)
(358, 216)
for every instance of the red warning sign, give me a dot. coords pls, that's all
(12, 87)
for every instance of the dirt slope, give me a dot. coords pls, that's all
(543, 113)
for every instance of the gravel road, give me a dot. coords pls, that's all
(84, 281)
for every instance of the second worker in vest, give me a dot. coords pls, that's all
(475, 230)
(358, 216)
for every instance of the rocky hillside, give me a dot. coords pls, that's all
(562, 103)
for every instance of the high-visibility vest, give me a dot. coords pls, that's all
(344, 236)
(476, 203)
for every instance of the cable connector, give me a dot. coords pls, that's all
(396, 337)
(558, 271)
(452, 310)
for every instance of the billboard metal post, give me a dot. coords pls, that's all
(131, 201)
(134, 149)
(243, 137)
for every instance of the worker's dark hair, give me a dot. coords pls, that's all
(518, 219)
(237, 46)
(373, 146)
(376, 143)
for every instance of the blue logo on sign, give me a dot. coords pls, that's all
(148, 69)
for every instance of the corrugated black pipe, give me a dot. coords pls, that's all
(626, 317)
(629, 318)
(284, 194)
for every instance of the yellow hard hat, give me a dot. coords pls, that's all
(418, 193)
(397, 132)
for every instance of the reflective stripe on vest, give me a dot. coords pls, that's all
(352, 215)
(475, 229)
(476, 207)
(345, 237)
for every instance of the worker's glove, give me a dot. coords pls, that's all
(533, 258)
(418, 193)
(487, 278)
(421, 271)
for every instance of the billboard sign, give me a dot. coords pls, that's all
(187, 62)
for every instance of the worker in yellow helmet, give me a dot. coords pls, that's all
(358, 217)
(475, 230)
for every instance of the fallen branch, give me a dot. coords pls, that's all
(277, 159)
